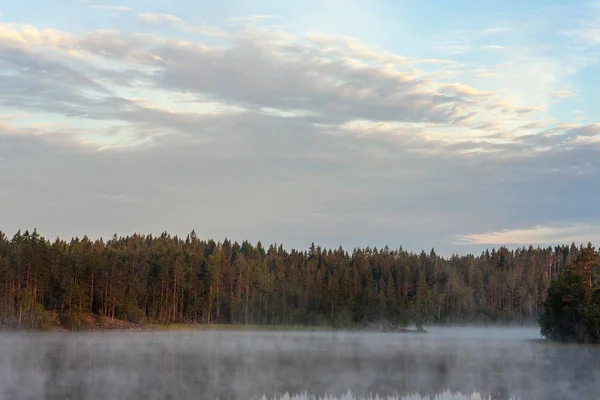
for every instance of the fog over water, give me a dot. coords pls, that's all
(450, 363)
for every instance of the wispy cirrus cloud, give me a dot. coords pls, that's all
(161, 19)
(493, 47)
(587, 30)
(581, 233)
(482, 73)
(563, 94)
(332, 72)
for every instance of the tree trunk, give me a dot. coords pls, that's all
(92, 294)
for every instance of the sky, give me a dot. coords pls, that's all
(457, 125)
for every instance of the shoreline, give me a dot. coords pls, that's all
(97, 323)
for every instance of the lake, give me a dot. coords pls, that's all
(450, 363)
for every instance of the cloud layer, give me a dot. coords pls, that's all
(540, 235)
(254, 131)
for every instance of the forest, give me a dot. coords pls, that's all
(169, 279)
(571, 311)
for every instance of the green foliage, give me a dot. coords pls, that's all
(571, 311)
(41, 318)
(73, 321)
(562, 317)
(132, 313)
(171, 280)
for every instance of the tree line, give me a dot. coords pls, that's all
(169, 279)
(571, 311)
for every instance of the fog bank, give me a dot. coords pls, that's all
(486, 362)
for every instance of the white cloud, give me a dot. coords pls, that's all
(539, 235)
(482, 73)
(437, 61)
(336, 80)
(316, 113)
(493, 47)
(160, 19)
(32, 36)
(464, 90)
(588, 30)
(563, 94)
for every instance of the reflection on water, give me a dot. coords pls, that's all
(447, 395)
(448, 363)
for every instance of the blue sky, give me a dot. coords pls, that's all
(456, 125)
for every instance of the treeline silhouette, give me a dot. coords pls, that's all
(168, 279)
(571, 311)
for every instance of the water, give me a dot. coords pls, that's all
(448, 363)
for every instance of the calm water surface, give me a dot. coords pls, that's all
(448, 363)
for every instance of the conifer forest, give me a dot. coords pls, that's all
(168, 279)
